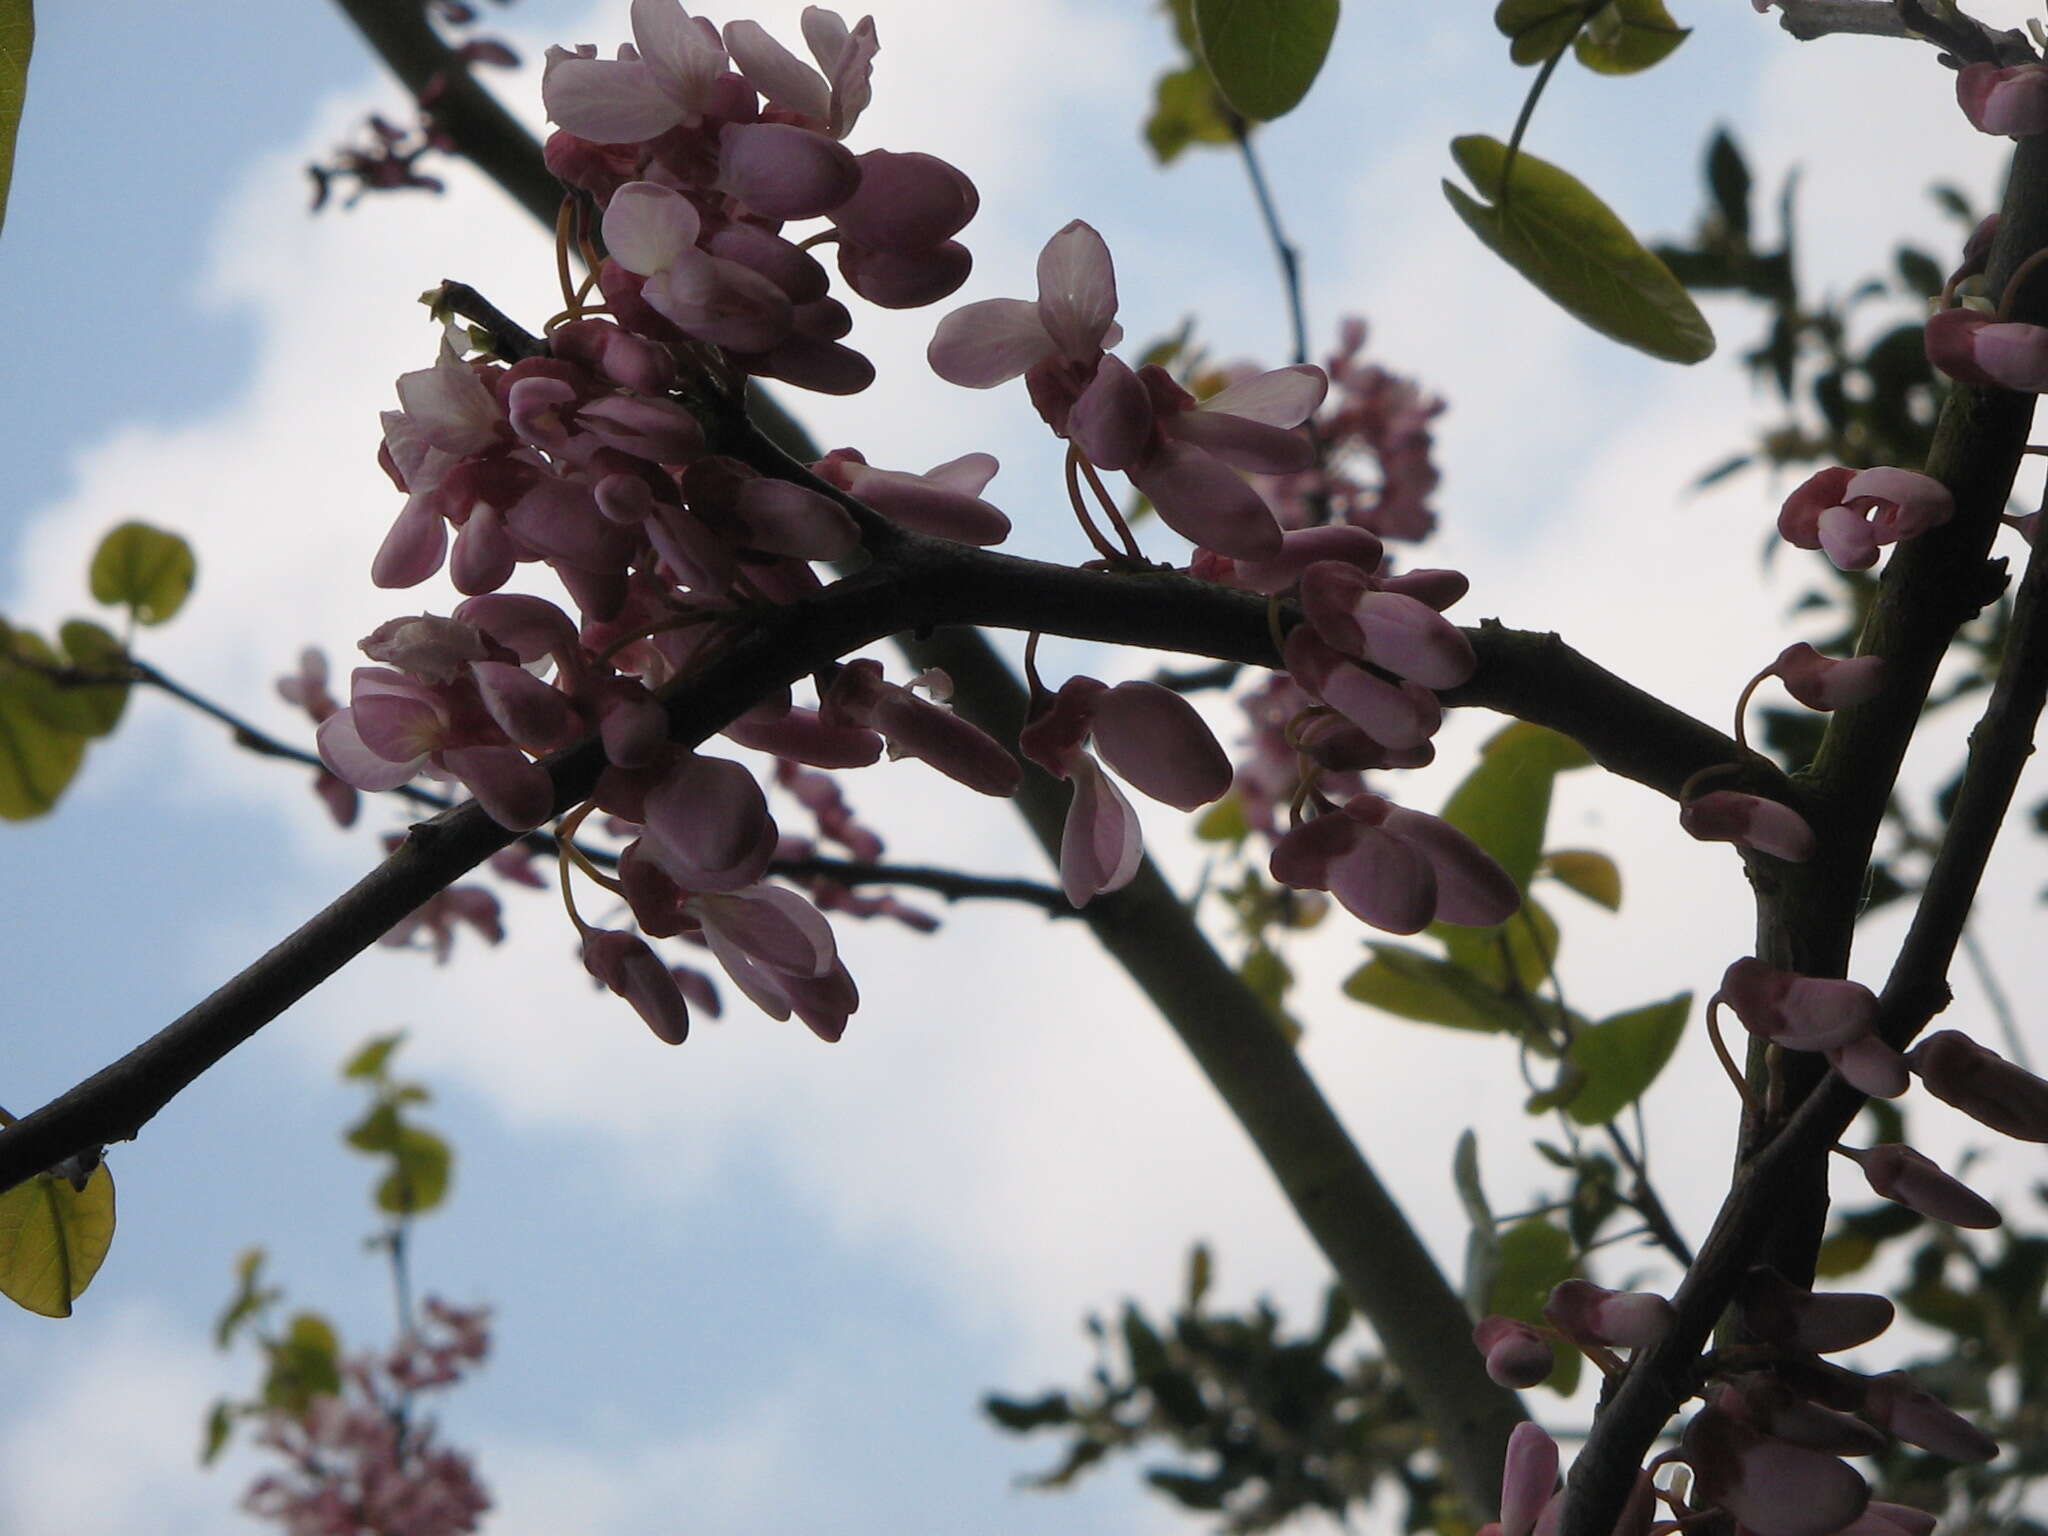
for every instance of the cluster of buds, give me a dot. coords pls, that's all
(1766, 1447)
(702, 146)
(359, 1460)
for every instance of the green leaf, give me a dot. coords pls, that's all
(369, 1062)
(1627, 37)
(304, 1364)
(52, 1239)
(1538, 29)
(1411, 985)
(1201, 1270)
(1524, 947)
(220, 1423)
(37, 759)
(1535, 1254)
(1185, 110)
(1268, 977)
(377, 1131)
(248, 1301)
(1563, 239)
(1593, 875)
(418, 1180)
(144, 569)
(1621, 1056)
(1019, 1415)
(1505, 801)
(1264, 54)
(17, 41)
(96, 709)
(1482, 1243)
(1224, 821)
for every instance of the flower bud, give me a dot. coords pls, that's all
(1517, 1355)
(1983, 1084)
(1900, 1174)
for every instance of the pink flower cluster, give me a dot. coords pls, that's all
(358, 1462)
(702, 145)
(1766, 1447)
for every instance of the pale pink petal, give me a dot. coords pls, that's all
(1413, 640)
(648, 227)
(1251, 446)
(777, 73)
(986, 344)
(775, 926)
(1101, 848)
(1111, 422)
(785, 172)
(1077, 292)
(345, 754)
(1207, 502)
(681, 51)
(1471, 888)
(515, 792)
(1529, 1479)
(607, 101)
(1847, 538)
(1870, 1066)
(1282, 397)
(414, 548)
(1385, 881)
(710, 815)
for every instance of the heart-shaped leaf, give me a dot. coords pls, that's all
(144, 569)
(1264, 54)
(52, 1239)
(1626, 37)
(1549, 227)
(1620, 1057)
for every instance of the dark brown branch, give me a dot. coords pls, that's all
(1932, 585)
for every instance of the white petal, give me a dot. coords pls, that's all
(682, 54)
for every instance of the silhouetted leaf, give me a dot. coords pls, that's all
(1728, 181)
(1265, 54)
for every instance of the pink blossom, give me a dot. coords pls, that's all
(1517, 1355)
(1973, 348)
(1801, 1013)
(2012, 102)
(1771, 1487)
(1591, 1314)
(1902, 1407)
(1983, 1084)
(1900, 1174)
(1822, 682)
(1766, 826)
(647, 90)
(1851, 514)
(628, 967)
(945, 501)
(1776, 1311)
(1394, 868)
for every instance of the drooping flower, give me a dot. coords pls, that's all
(1825, 682)
(2011, 102)
(1851, 514)
(1394, 868)
(1974, 348)
(1749, 821)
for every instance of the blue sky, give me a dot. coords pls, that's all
(757, 1279)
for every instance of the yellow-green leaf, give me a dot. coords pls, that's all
(1224, 821)
(1621, 1056)
(1593, 875)
(1538, 29)
(1628, 36)
(17, 41)
(418, 1181)
(370, 1061)
(1264, 54)
(1524, 947)
(1411, 985)
(220, 1423)
(1185, 110)
(1505, 800)
(304, 1364)
(37, 759)
(1549, 227)
(53, 1238)
(93, 709)
(144, 569)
